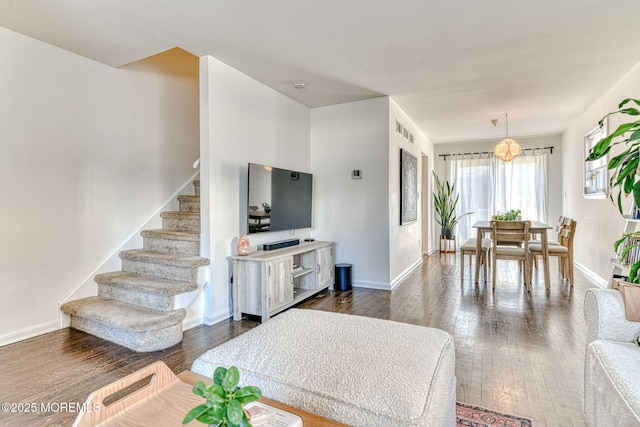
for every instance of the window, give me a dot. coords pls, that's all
(595, 172)
(487, 186)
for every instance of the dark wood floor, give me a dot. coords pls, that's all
(515, 352)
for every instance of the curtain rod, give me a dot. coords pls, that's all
(524, 151)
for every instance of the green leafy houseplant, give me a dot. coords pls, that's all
(628, 245)
(445, 201)
(224, 400)
(623, 167)
(512, 215)
(623, 171)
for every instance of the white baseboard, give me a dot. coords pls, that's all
(372, 285)
(591, 275)
(395, 282)
(29, 332)
(191, 322)
(406, 273)
(211, 320)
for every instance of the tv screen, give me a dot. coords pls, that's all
(278, 199)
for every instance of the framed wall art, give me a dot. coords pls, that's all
(408, 187)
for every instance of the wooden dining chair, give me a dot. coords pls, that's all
(563, 251)
(559, 227)
(469, 248)
(538, 241)
(505, 235)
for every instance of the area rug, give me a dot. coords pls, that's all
(477, 416)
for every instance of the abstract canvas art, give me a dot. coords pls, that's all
(408, 187)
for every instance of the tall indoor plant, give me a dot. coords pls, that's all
(445, 200)
(623, 170)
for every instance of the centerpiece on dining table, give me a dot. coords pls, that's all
(512, 215)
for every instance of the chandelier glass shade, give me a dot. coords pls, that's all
(507, 149)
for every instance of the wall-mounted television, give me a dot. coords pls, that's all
(278, 199)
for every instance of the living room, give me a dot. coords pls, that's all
(93, 152)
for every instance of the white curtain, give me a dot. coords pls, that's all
(487, 186)
(522, 184)
(472, 176)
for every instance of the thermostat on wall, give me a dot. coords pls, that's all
(356, 174)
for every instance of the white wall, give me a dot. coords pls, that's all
(354, 212)
(555, 166)
(405, 241)
(242, 121)
(363, 215)
(89, 152)
(599, 222)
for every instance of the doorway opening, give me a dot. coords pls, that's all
(425, 205)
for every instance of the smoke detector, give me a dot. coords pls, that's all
(299, 84)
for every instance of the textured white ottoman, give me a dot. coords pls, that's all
(356, 370)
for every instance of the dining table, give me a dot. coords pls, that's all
(536, 228)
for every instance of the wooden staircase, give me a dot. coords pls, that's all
(138, 306)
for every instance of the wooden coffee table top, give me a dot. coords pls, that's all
(309, 420)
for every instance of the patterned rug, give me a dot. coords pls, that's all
(477, 416)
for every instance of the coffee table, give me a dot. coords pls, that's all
(309, 420)
(154, 395)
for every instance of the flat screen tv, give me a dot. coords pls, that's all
(278, 199)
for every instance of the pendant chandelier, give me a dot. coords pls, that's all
(507, 149)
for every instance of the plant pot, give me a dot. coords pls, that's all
(447, 233)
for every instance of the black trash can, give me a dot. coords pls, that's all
(343, 277)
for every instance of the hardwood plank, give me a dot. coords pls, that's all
(516, 352)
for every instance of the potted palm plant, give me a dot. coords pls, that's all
(445, 200)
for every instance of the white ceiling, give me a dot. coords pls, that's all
(451, 65)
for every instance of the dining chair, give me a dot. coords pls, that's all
(559, 227)
(469, 248)
(505, 235)
(563, 251)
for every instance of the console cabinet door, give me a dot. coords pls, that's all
(324, 269)
(279, 282)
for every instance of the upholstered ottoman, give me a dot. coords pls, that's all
(356, 370)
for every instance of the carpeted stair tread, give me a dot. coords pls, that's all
(180, 215)
(122, 315)
(144, 283)
(165, 258)
(191, 236)
(135, 307)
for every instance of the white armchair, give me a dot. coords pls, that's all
(612, 362)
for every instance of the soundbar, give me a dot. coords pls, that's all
(281, 244)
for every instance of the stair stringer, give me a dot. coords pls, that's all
(193, 302)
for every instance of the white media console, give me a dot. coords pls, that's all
(268, 282)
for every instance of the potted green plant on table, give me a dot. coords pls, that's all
(445, 200)
(512, 215)
(623, 170)
(224, 400)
